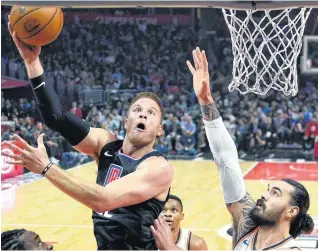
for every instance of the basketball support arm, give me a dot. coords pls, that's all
(225, 154)
(72, 128)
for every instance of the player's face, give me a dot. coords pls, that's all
(172, 213)
(274, 205)
(143, 122)
(32, 241)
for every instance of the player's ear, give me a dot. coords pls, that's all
(182, 217)
(126, 121)
(292, 212)
(160, 131)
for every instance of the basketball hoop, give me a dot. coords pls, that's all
(266, 45)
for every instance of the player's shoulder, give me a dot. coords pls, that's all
(197, 243)
(105, 135)
(111, 147)
(158, 166)
(102, 137)
(156, 161)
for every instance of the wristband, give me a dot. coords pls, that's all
(46, 168)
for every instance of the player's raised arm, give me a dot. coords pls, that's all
(78, 133)
(222, 146)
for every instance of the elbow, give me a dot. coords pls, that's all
(99, 210)
(100, 207)
(102, 204)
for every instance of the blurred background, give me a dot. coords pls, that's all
(104, 56)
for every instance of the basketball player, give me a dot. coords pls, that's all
(184, 238)
(277, 218)
(133, 180)
(21, 239)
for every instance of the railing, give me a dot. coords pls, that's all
(103, 96)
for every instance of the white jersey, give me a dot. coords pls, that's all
(248, 242)
(183, 240)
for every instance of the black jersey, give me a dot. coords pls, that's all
(127, 227)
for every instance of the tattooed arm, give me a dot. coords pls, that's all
(225, 155)
(242, 223)
(222, 147)
(210, 112)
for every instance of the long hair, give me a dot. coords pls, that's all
(302, 223)
(10, 240)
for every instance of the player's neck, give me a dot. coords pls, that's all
(135, 152)
(175, 233)
(268, 236)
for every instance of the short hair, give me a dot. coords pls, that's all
(10, 240)
(149, 95)
(302, 223)
(174, 197)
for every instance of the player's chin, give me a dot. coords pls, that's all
(139, 140)
(257, 212)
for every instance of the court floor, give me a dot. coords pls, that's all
(58, 219)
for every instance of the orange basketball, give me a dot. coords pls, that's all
(36, 25)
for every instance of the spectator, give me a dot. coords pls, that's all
(76, 110)
(186, 144)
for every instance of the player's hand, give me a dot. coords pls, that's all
(27, 52)
(34, 159)
(162, 234)
(201, 77)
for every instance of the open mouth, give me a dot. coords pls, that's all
(260, 203)
(169, 221)
(141, 127)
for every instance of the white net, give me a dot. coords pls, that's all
(266, 45)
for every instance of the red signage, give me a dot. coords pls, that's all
(9, 170)
(127, 19)
(8, 83)
(276, 171)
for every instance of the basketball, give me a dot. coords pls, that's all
(36, 26)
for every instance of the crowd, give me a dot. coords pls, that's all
(147, 57)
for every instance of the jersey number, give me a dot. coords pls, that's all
(114, 173)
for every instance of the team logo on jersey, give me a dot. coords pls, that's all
(114, 173)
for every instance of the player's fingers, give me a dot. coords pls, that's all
(10, 155)
(15, 162)
(23, 142)
(40, 141)
(191, 68)
(9, 28)
(205, 62)
(13, 146)
(199, 54)
(156, 224)
(16, 40)
(195, 60)
(153, 230)
(161, 221)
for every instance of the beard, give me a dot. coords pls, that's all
(260, 217)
